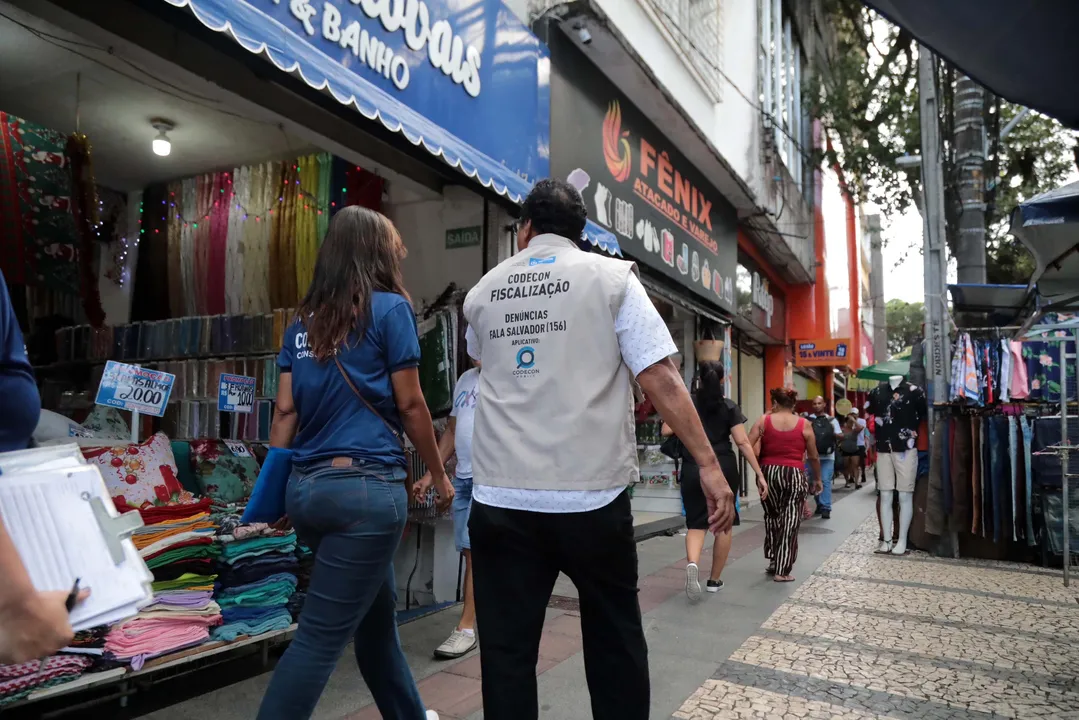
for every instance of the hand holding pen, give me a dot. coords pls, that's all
(37, 624)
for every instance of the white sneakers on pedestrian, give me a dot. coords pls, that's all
(432, 715)
(693, 582)
(458, 644)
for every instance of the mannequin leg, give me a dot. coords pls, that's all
(886, 519)
(906, 513)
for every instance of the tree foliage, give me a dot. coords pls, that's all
(867, 99)
(904, 322)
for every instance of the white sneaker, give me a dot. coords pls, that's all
(432, 715)
(693, 582)
(458, 644)
(900, 548)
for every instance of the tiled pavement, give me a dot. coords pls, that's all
(870, 636)
(859, 636)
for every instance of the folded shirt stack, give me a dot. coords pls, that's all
(256, 578)
(143, 638)
(18, 681)
(241, 621)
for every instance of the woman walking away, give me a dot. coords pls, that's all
(722, 420)
(349, 385)
(785, 439)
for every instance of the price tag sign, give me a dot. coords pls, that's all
(129, 387)
(238, 448)
(236, 394)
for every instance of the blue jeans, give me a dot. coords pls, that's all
(353, 519)
(1028, 435)
(462, 506)
(827, 472)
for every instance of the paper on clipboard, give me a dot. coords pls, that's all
(49, 513)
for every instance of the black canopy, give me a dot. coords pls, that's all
(1025, 51)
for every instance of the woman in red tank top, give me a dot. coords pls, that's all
(785, 440)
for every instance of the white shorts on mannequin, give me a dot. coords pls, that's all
(897, 470)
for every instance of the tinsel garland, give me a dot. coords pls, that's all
(84, 210)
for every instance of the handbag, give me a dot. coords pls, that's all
(673, 448)
(267, 503)
(393, 431)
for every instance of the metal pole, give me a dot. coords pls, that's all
(933, 236)
(1064, 456)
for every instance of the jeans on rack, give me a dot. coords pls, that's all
(1028, 436)
(962, 463)
(976, 475)
(352, 517)
(998, 474)
(1013, 427)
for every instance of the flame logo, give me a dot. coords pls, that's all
(615, 145)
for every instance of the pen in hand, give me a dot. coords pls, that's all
(69, 603)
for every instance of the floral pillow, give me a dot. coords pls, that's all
(223, 474)
(140, 475)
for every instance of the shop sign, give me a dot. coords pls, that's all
(469, 67)
(763, 299)
(830, 352)
(463, 237)
(136, 389)
(663, 211)
(236, 393)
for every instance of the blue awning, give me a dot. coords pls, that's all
(603, 239)
(502, 113)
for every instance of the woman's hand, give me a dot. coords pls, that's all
(284, 524)
(444, 490)
(818, 486)
(421, 487)
(762, 487)
(36, 626)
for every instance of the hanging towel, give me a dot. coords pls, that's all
(1019, 387)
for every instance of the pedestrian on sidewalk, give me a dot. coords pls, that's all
(723, 421)
(785, 439)
(458, 440)
(827, 433)
(349, 386)
(855, 428)
(562, 334)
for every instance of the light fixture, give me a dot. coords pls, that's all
(162, 145)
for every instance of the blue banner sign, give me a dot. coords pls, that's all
(236, 393)
(129, 387)
(464, 78)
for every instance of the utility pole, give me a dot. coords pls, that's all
(934, 243)
(970, 161)
(876, 288)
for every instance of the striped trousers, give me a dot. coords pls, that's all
(787, 489)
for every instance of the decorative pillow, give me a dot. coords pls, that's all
(140, 475)
(223, 474)
(107, 423)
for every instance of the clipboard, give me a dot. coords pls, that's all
(64, 525)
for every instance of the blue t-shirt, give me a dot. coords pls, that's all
(333, 421)
(22, 404)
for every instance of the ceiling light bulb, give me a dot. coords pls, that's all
(161, 144)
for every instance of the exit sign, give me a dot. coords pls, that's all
(463, 237)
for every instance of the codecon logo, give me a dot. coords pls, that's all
(526, 362)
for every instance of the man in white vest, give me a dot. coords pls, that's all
(562, 334)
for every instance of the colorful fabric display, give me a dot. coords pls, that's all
(18, 681)
(187, 581)
(255, 547)
(273, 590)
(276, 619)
(181, 599)
(139, 640)
(199, 549)
(252, 570)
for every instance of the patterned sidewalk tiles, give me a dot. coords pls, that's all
(871, 636)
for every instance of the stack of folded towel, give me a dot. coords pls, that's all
(256, 579)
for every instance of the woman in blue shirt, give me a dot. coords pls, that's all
(347, 499)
